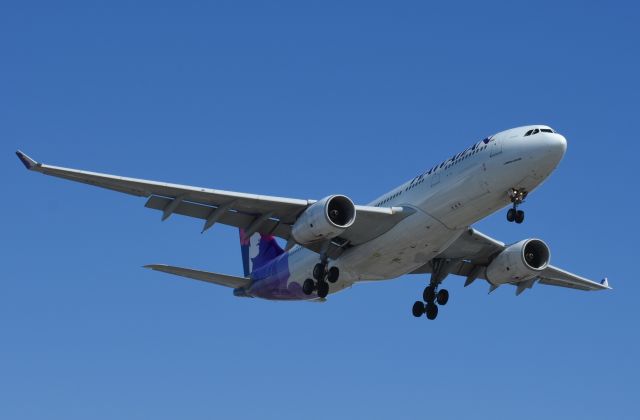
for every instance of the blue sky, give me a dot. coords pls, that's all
(306, 100)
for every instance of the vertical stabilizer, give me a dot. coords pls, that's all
(257, 251)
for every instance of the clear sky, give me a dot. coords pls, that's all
(305, 100)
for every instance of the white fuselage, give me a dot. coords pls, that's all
(447, 199)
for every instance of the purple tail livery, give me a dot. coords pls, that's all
(258, 250)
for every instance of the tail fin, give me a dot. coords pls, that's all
(257, 251)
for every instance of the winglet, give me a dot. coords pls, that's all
(26, 160)
(605, 283)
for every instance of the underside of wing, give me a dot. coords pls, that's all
(471, 254)
(473, 246)
(554, 276)
(471, 249)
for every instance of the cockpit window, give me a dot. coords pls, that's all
(538, 130)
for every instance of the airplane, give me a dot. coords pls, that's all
(421, 227)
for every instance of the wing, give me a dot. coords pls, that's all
(472, 252)
(252, 212)
(555, 276)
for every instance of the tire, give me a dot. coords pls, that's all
(519, 216)
(511, 215)
(418, 309)
(333, 275)
(429, 294)
(323, 289)
(442, 297)
(431, 310)
(318, 272)
(308, 286)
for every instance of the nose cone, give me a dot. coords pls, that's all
(558, 144)
(549, 150)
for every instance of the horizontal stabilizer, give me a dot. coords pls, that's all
(221, 279)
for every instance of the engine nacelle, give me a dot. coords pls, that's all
(324, 219)
(523, 260)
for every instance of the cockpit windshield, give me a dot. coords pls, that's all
(534, 131)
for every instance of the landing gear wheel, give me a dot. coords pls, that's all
(429, 294)
(333, 274)
(318, 271)
(323, 289)
(418, 309)
(442, 297)
(519, 216)
(511, 215)
(431, 310)
(308, 286)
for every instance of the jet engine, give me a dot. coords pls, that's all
(523, 260)
(324, 219)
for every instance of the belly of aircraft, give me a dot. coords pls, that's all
(411, 244)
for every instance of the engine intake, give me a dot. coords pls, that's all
(521, 261)
(324, 219)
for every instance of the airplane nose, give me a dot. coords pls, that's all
(551, 146)
(558, 143)
(549, 151)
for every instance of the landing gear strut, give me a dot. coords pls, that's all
(517, 197)
(431, 296)
(322, 274)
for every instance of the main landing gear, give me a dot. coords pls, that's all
(431, 296)
(323, 276)
(517, 197)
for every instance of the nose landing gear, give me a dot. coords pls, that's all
(514, 215)
(517, 197)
